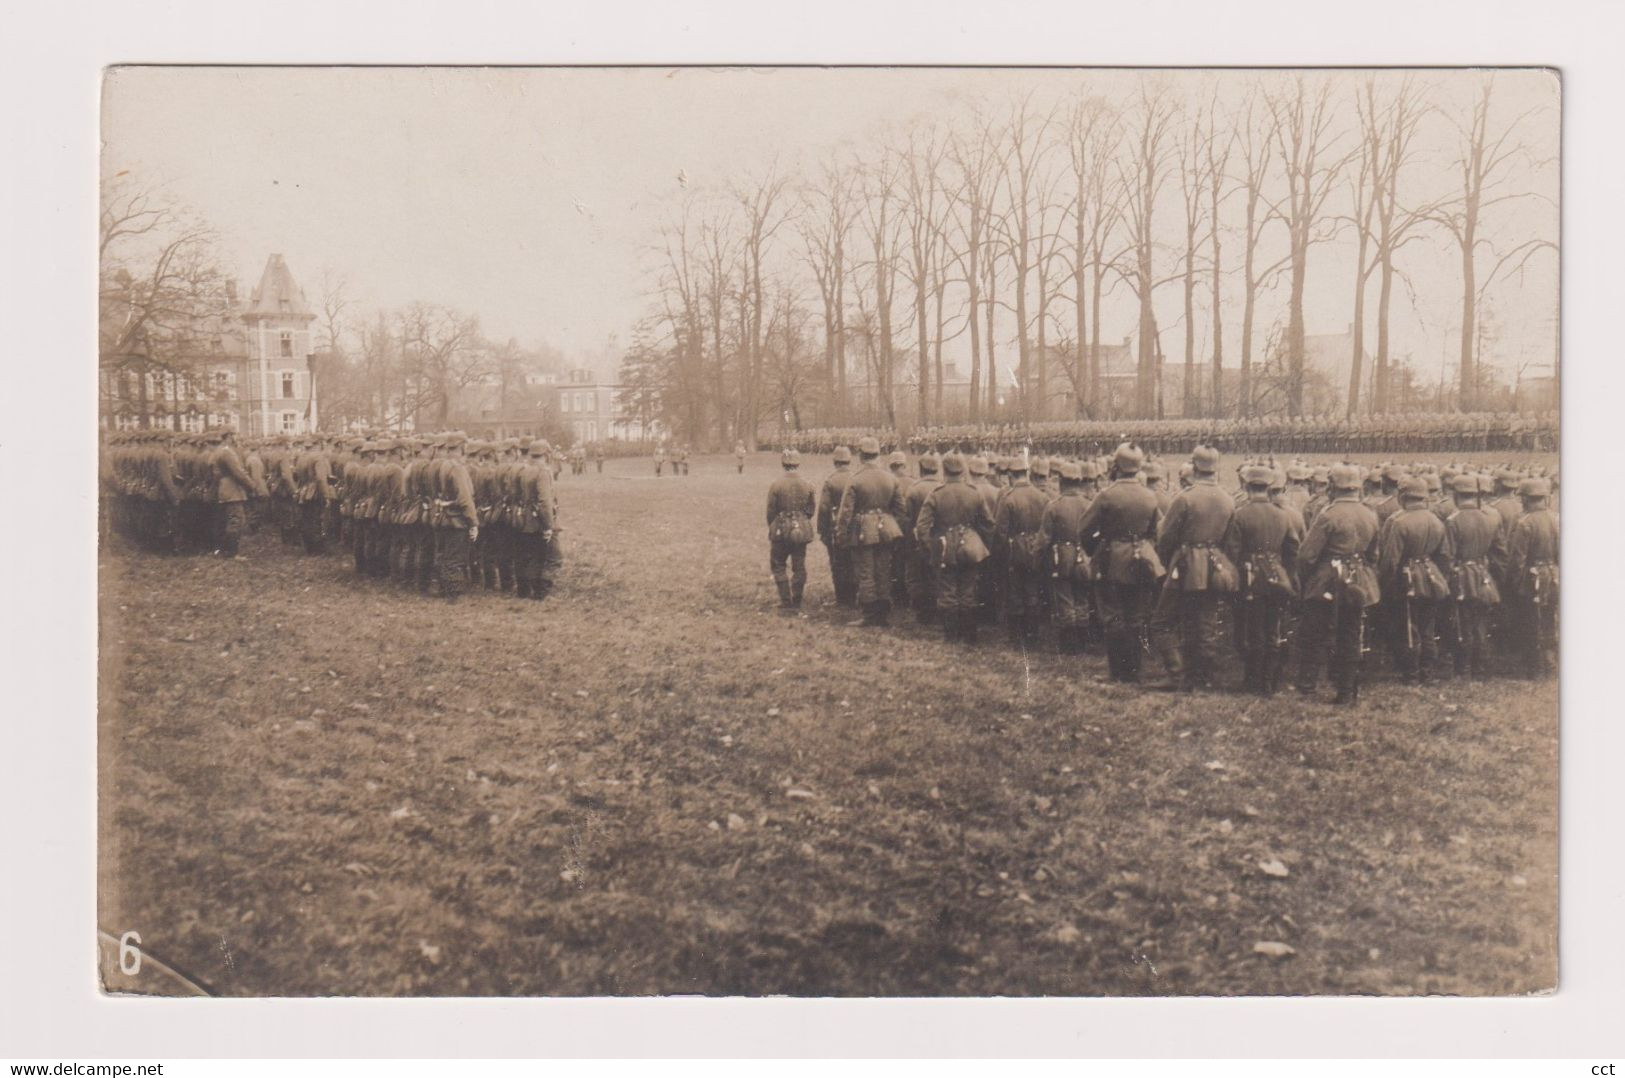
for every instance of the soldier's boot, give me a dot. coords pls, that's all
(1033, 630)
(953, 628)
(540, 589)
(798, 587)
(785, 602)
(967, 626)
(883, 612)
(521, 588)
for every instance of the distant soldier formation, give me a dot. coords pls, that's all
(1309, 568)
(427, 512)
(1407, 432)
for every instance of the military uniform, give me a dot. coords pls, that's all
(1019, 531)
(952, 529)
(1199, 572)
(1262, 540)
(454, 516)
(1413, 556)
(1127, 569)
(533, 522)
(1532, 576)
(1071, 576)
(867, 519)
(791, 506)
(312, 492)
(1476, 548)
(921, 567)
(1337, 561)
(840, 555)
(233, 486)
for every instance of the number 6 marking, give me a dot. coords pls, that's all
(129, 953)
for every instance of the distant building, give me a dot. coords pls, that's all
(253, 375)
(592, 411)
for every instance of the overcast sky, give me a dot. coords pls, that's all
(531, 196)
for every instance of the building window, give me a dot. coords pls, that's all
(290, 422)
(287, 384)
(287, 344)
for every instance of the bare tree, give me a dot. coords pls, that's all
(1387, 129)
(976, 163)
(762, 205)
(1026, 147)
(922, 166)
(437, 343)
(161, 294)
(1142, 176)
(1306, 143)
(1484, 161)
(882, 222)
(1255, 134)
(826, 223)
(1093, 137)
(1217, 145)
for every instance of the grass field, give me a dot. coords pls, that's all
(314, 784)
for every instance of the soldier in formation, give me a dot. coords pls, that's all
(1312, 564)
(423, 511)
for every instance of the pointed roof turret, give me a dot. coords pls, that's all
(277, 296)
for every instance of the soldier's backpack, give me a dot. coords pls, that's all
(791, 527)
(1027, 550)
(962, 547)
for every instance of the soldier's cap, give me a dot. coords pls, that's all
(1433, 482)
(1186, 471)
(1040, 467)
(1393, 472)
(790, 458)
(977, 465)
(1088, 470)
(1508, 477)
(1277, 480)
(929, 463)
(524, 441)
(869, 447)
(1343, 477)
(1486, 483)
(1154, 469)
(1070, 471)
(1205, 459)
(1016, 464)
(1534, 488)
(1464, 484)
(1414, 488)
(897, 459)
(1256, 475)
(954, 464)
(843, 455)
(1297, 471)
(538, 448)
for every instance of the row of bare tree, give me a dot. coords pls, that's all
(829, 294)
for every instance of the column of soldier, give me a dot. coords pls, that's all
(1316, 566)
(1409, 432)
(435, 511)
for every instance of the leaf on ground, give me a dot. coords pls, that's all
(1066, 934)
(1214, 765)
(805, 795)
(1274, 867)
(772, 712)
(401, 813)
(429, 951)
(736, 822)
(1273, 949)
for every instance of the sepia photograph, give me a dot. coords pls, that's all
(846, 531)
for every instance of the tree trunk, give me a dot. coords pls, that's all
(1357, 361)
(1294, 326)
(992, 358)
(1384, 293)
(1468, 391)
